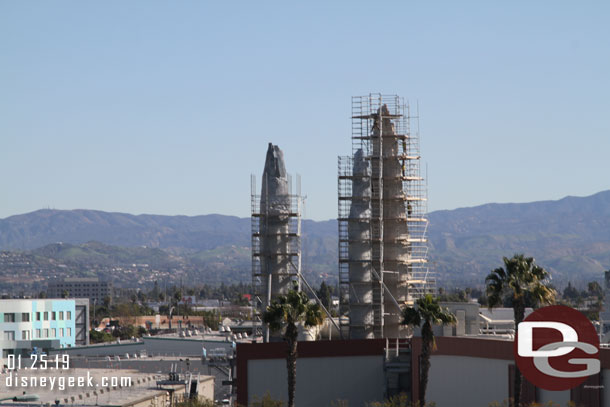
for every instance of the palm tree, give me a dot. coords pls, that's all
(283, 315)
(522, 281)
(425, 313)
(177, 299)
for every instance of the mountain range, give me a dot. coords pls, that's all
(570, 237)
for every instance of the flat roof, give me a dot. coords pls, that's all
(143, 387)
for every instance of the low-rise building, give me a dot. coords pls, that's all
(464, 371)
(39, 325)
(110, 387)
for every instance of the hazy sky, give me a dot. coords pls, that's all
(167, 107)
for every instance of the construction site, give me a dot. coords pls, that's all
(365, 352)
(276, 235)
(382, 224)
(276, 238)
(383, 252)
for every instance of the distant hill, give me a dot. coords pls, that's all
(135, 250)
(570, 237)
(39, 228)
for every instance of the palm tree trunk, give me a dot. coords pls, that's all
(424, 364)
(291, 362)
(519, 311)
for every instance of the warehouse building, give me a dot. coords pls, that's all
(465, 371)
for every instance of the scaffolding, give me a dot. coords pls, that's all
(276, 245)
(382, 219)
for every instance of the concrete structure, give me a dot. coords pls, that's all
(91, 288)
(327, 371)
(465, 371)
(44, 324)
(155, 354)
(155, 365)
(382, 220)
(276, 232)
(361, 313)
(467, 316)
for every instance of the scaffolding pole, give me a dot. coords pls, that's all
(276, 248)
(382, 220)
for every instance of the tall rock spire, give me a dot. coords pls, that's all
(275, 226)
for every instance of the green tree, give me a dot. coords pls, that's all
(154, 293)
(266, 401)
(97, 337)
(107, 301)
(177, 299)
(425, 313)
(570, 292)
(283, 315)
(324, 294)
(519, 278)
(195, 402)
(595, 289)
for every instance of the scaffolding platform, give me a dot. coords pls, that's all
(285, 250)
(381, 236)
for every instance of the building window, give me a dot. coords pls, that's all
(25, 335)
(46, 315)
(53, 316)
(9, 317)
(46, 332)
(69, 315)
(38, 316)
(61, 315)
(25, 317)
(61, 332)
(69, 331)
(53, 333)
(9, 335)
(37, 334)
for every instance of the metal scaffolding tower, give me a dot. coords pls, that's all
(276, 235)
(382, 219)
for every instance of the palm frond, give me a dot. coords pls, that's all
(410, 316)
(291, 309)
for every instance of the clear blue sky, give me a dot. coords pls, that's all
(167, 107)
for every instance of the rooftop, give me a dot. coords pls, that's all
(124, 387)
